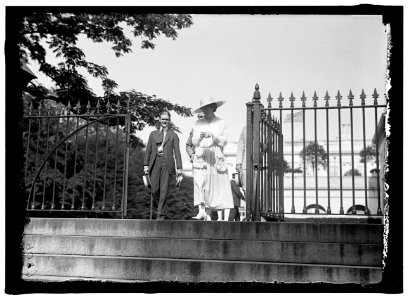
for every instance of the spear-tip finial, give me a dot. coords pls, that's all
(326, 98)
(269, 99)
(315, 98)
(362, 96)
(303, 99)
(88, 107)
(108, 106)
(78, 107)
(118, 106)
(98, 105)
(351, 98)
(292, 99)
(375, 97)
(280, 100)
(338, 97)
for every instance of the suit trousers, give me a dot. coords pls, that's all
(234, 214)
(160, 179)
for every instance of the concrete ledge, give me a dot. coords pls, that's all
(202, 249)
(267, 231)
(153, 269)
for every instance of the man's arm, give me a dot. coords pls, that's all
(148, 151)
(176, 150)
(236, 189)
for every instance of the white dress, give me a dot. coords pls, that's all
(211, 180)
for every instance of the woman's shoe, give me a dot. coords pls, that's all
(200, 216)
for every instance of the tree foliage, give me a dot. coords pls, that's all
(85, 171)
(370, 153)
(308, 154)
(59, 32)
(350, 172)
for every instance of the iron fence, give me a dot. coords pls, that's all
(276, 187)
(76, 161)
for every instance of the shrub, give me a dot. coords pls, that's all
(355, 172)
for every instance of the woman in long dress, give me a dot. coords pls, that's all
(212, 189)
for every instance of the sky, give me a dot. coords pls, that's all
(224, 56)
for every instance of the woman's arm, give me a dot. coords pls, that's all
(220, 134)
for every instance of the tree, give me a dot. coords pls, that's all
(308, 153)
(370, 153)
(287, 168)
(350, 172)
(86, 172)
(60, 31)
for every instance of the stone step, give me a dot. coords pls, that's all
(203, 249)
(190, 270)
(261, 231)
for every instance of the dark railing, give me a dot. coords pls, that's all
(264, 152)
(277, 187)
(76, 162)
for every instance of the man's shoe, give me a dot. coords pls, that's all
(161, 218)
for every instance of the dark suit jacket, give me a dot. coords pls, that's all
(171, 150)
(237, 195)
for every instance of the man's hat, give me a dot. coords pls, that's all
(206, 101)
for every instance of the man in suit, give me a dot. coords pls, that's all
(161, 152)
(234, 214)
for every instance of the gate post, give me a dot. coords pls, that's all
(256, 153)
(281, 174)
(253, 157)
(126, 161)
(249, 160)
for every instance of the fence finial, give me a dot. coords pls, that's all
(128, 104)
(108, 107)
(269, 99)
(280, 100)
(256, 94)
(98, 106)
(350, 97)
(338, 97)
(118, 106)
(78, 108)
(375, 96)
(326, 98)
(363, 96)
(68, 108)
(30, 108)
(292, 99)
(88, 107)
(303, 99)
(315, 99)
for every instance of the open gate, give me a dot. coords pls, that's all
(76, 162)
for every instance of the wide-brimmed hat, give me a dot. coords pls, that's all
(206, 101)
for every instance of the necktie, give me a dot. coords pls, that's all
(160, 148)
